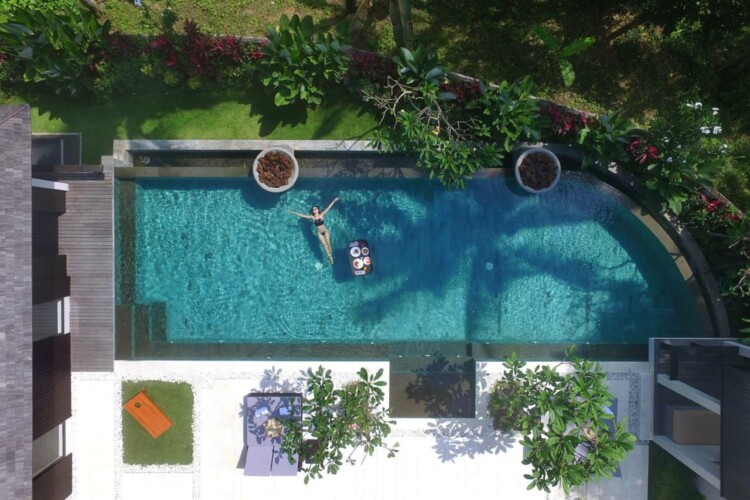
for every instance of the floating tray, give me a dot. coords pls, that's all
(360, 258)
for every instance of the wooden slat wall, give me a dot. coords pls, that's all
(55, 482)
(51, 382)
(87, 239)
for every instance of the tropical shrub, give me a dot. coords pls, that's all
(560, 123)
(723, 234)
(62, 49)
(339, 419)
(509, 113)
(558, 416)
(299, 63)
(465, 91)
(370, 67)
(563, 54)
(680, 152)
(195, 55)
(603, 139)
(454, 128)
(419, 66)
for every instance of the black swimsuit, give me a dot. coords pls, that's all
(318, 222)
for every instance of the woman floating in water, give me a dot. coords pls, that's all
(323, 234)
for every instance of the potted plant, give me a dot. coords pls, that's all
(537, 170)
(275, 169)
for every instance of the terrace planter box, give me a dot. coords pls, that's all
(537, 170)
(275, 169)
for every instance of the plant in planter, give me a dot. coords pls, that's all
(537, 170)
(275, 170)
(336, 420)
(558, 415)
(603, 139)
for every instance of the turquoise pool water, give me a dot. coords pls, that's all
(488, 264)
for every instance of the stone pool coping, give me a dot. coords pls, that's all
(677, 242)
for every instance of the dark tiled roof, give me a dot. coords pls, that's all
(15, 302)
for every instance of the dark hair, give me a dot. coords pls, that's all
(312, 210)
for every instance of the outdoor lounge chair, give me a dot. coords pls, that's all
(582, 450)
(258, 460)
(281, 465)
(262, 447)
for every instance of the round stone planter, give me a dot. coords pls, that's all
(292, 179)
(548, 154)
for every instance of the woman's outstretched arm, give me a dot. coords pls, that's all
(329, 206)
(304, 216)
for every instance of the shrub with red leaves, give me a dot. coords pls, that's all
(119, 44)
(641, 151)
(563, 122)
(195, 54)
(370, 66)
(255, 50)
(463, 90)
(228, 47)
(164, 48)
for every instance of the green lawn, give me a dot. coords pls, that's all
(668, 479)
(159, 113)
(238, 17)
(175, 446)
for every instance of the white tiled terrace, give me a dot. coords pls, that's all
(438, 458)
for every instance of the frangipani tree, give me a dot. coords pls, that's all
(563, 419)
(342, 420)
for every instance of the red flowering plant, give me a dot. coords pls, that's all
(200, 57)
(723, 234)
(254, 51)
(465, 91)
(122, 45)
(369, 67)
(642, 152)
(687, 152)
(561, 123)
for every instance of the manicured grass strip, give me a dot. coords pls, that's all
(159, 113)
(668, 478)
(175, 446)
(239, 17)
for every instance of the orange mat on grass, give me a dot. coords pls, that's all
(148, 414)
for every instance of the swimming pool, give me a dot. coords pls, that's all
(491, 264)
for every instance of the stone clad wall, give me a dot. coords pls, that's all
(15, 302)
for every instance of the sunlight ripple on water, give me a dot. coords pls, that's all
(232, 264)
